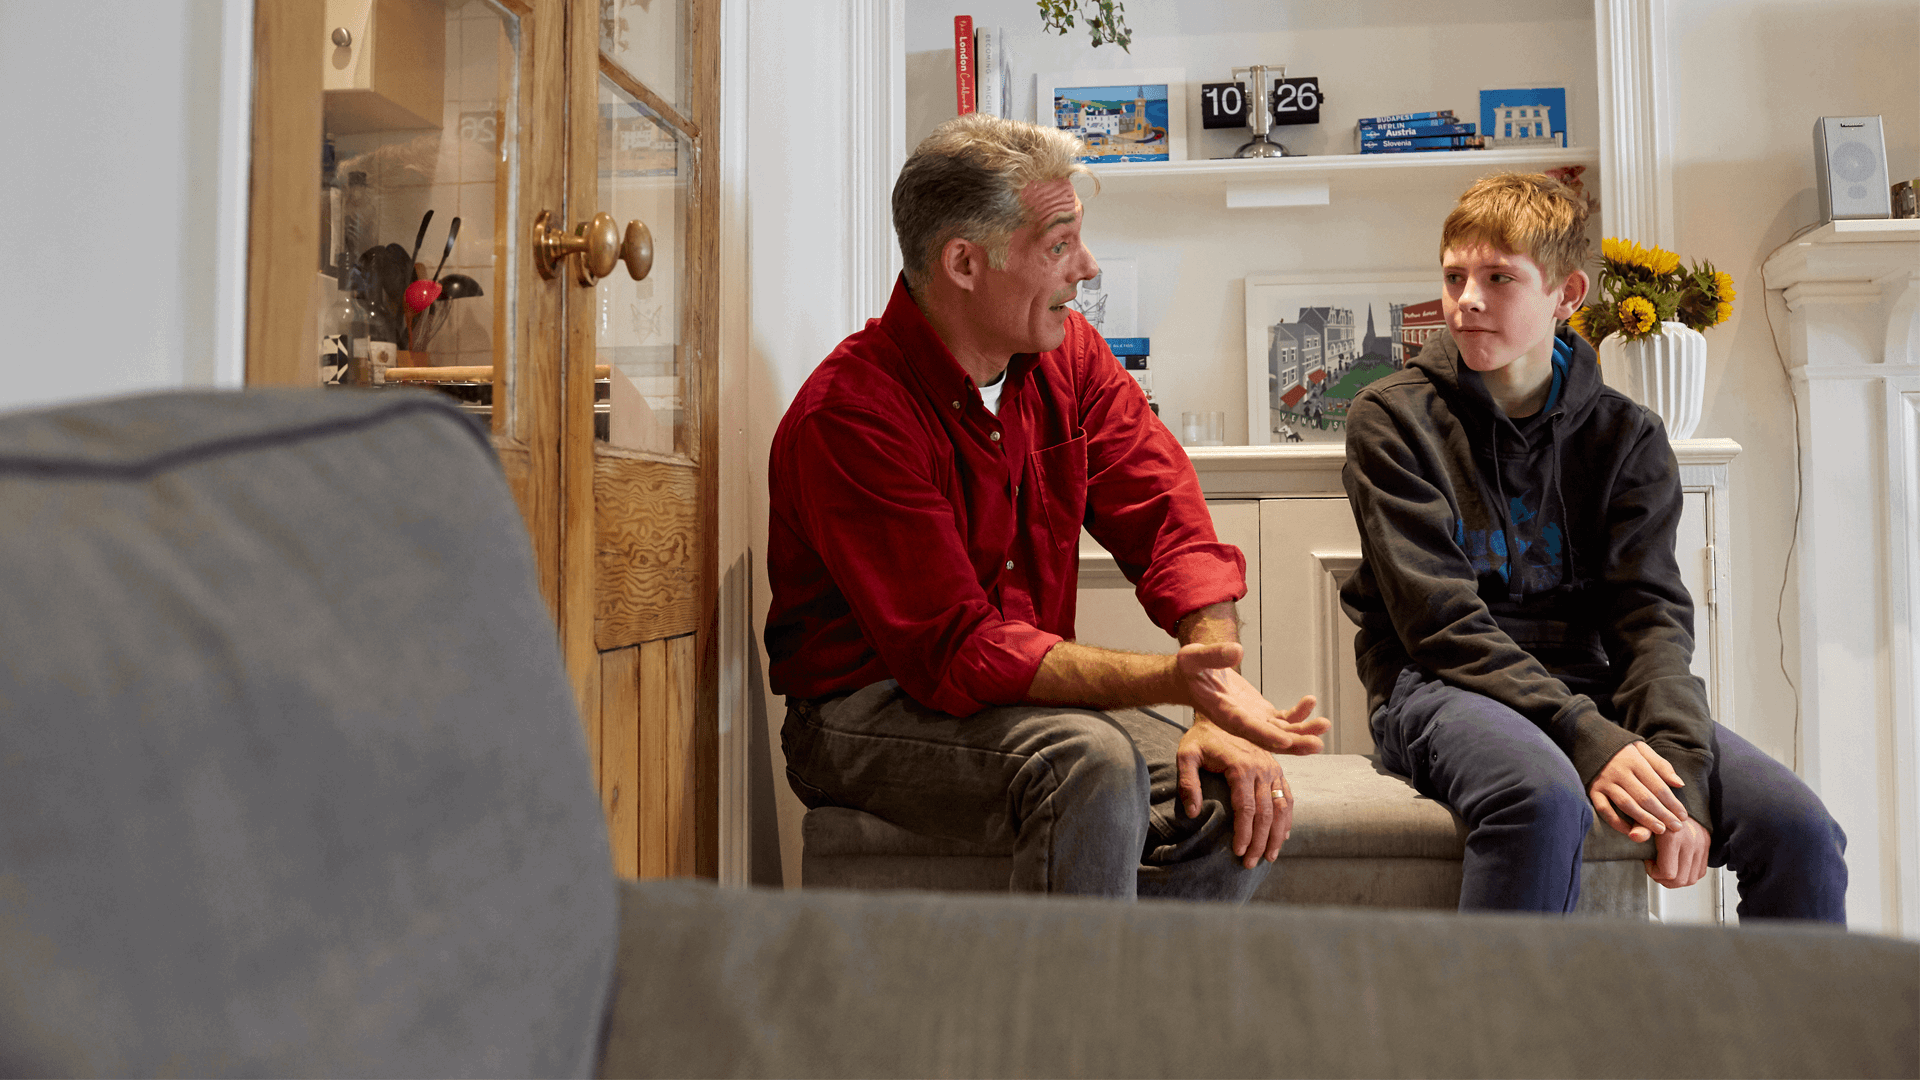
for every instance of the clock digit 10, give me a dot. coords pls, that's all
(1297, 101)
(1223, 105)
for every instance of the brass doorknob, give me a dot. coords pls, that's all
(599, 243)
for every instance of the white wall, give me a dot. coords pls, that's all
(118, 131)
(1749, 79)
(799, 299)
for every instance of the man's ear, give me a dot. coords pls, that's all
(1571, 293)
(962, 261)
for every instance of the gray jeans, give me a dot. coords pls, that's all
(1087, 800)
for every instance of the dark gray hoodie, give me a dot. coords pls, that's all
(1588, 632)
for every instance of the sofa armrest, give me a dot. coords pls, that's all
(739, 982)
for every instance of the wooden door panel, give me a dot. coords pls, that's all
(615, 741)
(650, 751)
(646, 550)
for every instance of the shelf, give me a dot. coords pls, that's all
(1313, 469)
(1256, 183)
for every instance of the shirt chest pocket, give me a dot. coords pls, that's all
(1057, 482)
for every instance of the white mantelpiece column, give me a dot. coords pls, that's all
(1852, 293)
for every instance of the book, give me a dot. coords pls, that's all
(1421, 146)
(1448, 141)
(990, 74)
(963, 70)
(1435, 121)
(1401, 118)
(1405, 131)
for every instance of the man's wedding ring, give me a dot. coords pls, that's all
(1278, 794)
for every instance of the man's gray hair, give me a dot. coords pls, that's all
(965, 180)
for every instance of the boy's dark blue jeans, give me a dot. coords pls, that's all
(1527, 813)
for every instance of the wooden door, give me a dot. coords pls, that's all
(368, 116)
(639, 556)
(524, 119)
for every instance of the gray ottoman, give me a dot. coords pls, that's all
(1362, 837)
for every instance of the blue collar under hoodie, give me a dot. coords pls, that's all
(1528, 560)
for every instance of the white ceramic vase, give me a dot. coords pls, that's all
(1666, 372)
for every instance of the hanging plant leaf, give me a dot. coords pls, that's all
(1105, 20)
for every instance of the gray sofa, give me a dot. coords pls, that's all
(291, 784)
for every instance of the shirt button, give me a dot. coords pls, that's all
(956, 404)
(1009, 564)
(995, 436)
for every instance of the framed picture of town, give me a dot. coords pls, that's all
(1314, 340)
(1122, 115)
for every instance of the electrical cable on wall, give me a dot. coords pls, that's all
(1793, 540)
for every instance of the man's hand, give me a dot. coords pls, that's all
(1680, 856)
(1262, 801)
(1219, 692)
(1640, 783)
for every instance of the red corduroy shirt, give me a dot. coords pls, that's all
(916, 536)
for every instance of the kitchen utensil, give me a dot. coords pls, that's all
(419, 237)
(453, 230)
(421, 294)
(458, 286)
(392, 273)
(428, 325)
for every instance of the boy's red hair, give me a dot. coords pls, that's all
(1527, 214)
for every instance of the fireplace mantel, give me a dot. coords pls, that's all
(1851, 292)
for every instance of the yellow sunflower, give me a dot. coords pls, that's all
(1582, 322)
(1637, 316)
(1707, 299)
(1628, 254)
(1723, 287)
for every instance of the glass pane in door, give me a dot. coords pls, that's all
(638, 324)
(422, 104)
(647, 38)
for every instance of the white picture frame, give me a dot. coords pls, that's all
(1301, 396)
(1111, 126)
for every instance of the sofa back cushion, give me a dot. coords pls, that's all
(291, 777)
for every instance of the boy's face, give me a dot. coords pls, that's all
(1501, 308)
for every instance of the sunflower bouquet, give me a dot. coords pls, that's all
(1642, 287)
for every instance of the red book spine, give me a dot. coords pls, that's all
(963, 62)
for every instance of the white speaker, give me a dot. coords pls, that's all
(1850, 161)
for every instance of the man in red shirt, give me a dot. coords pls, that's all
(929, 483)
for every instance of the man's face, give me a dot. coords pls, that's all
(1499, 306)
(1023, 307)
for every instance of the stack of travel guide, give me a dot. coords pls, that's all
(1416, 133)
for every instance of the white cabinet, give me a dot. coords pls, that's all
(1109, 616)
(1286, 510)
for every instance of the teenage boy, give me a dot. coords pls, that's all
(1524, 635)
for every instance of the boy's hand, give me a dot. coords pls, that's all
(1261, 821)
(1223, 695)
(1680, 856)
(1639, 783)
